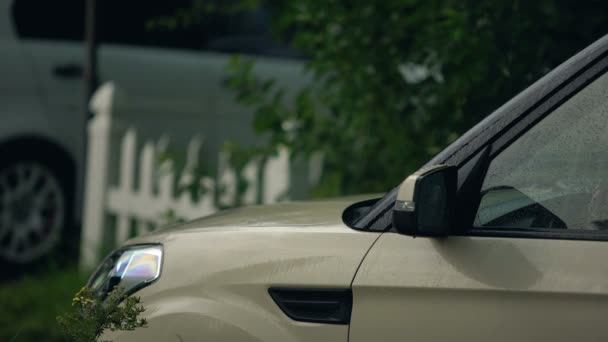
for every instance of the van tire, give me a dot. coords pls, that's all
(37, 230)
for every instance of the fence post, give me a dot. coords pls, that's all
(100, 133)
(276, 177)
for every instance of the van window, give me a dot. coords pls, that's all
(129, 23)
(50, 20)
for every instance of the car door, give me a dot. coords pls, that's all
(19, 99)
(51, 34)
(531, 263)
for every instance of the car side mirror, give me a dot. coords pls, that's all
(425, 202)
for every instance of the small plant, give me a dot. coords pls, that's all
(91, 315)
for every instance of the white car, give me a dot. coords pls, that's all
(503, 236)
(42, 106)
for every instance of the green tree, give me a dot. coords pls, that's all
(397, 80)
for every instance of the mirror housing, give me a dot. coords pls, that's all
(425, 202)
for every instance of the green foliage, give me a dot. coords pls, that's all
(395, 81)
(28, 307)
(90, 316)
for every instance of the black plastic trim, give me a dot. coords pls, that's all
(468, 199)
(537, 233)
(356, 210)
(314, 305)
(562, 95)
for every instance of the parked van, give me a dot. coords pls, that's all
(43, 108)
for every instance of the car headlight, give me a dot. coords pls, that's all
(133, 268)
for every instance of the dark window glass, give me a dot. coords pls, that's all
(128, 22)
(555, 176)
(47, 19)
(246, 32)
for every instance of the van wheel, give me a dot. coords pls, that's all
(35, 209)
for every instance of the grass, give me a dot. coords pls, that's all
(29, 306)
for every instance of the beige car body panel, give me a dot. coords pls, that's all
(217, 271)
(481, 289)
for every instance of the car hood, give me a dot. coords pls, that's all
(291, 214)
(219, 269)
(306, 241)
(229, 260)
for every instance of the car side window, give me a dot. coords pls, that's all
(50, 20)
(555, 175)
(130, 23)
(245, 32)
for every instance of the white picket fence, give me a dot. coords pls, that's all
(131, 188)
